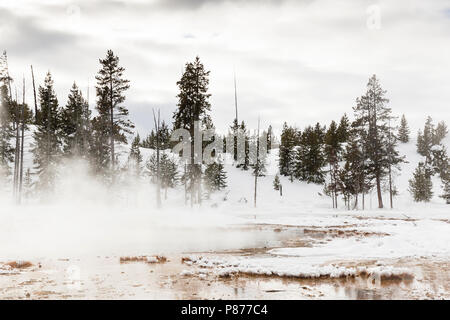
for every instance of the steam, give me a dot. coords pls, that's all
(84, 216)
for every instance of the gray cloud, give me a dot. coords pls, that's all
(195, 4)
(301, 61)
(23, 35)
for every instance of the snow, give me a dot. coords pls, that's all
(89, 219)
(292, 268)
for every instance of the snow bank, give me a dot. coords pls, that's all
(225, 268)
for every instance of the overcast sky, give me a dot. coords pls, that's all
(295, 61)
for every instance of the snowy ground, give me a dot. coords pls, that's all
(293, 246)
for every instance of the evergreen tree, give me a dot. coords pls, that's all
(110, 95)
(164, 136)
(393, 159)
(276, 182)
(354, 162)
(246, 161)
(373, 114)
(403, 131)
(169, 173)
(310, 158)
(420, 186)
(425, 140)
(269, 138)
(193, 105)
(135, 156)
(289, 139)
(28, 184)
(345, 182)
(151, 166)
(333, 148)
(6, 134)
(234, 133)
(439, 133)
(75, 124)
(150, 141)
(344, 129)
(100, 147)
(259, 159)
(439, 160)
(215, 177)
(446, 186)
(47, 145)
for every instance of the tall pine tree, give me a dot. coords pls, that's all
(112, 116)
(47, 145)
(193, 105)
(403, 131)
(373, 114)
(75, 124)
(420, 186)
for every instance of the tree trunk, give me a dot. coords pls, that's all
(35, 100)
(158, 175)
(380, 197)
(390, 188)
(111, 134)
(17, 153)
(257, 164)
(21, 144)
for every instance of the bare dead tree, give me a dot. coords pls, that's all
(235, 99)
(158, 174)
(17, 150)
(34, 93)
(256, 164)
(22, 120)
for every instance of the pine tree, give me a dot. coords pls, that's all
(47, 145)
(6, 134)
(446, 186)
(100, 147)
(276, 182)
(333, 148)
(151, 166)
(345, 182)
(289, 139)
(420, 186)
(110, 95)
(259, 157)
(439, 160)
(310, 158)
(193, 105)
(344, 129)
(234, 133)
(246, 161)
(403, 131)
(169, 173)
(75, 124)
(150, 141)
(215, 177)
(354, 159)
(28, 184)
(269, 138)
(135, 157)
(392, 160)
(439, 133)
(164, 136)
(373, 115)
(425, 140)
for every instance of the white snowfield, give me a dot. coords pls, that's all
(88, 219)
